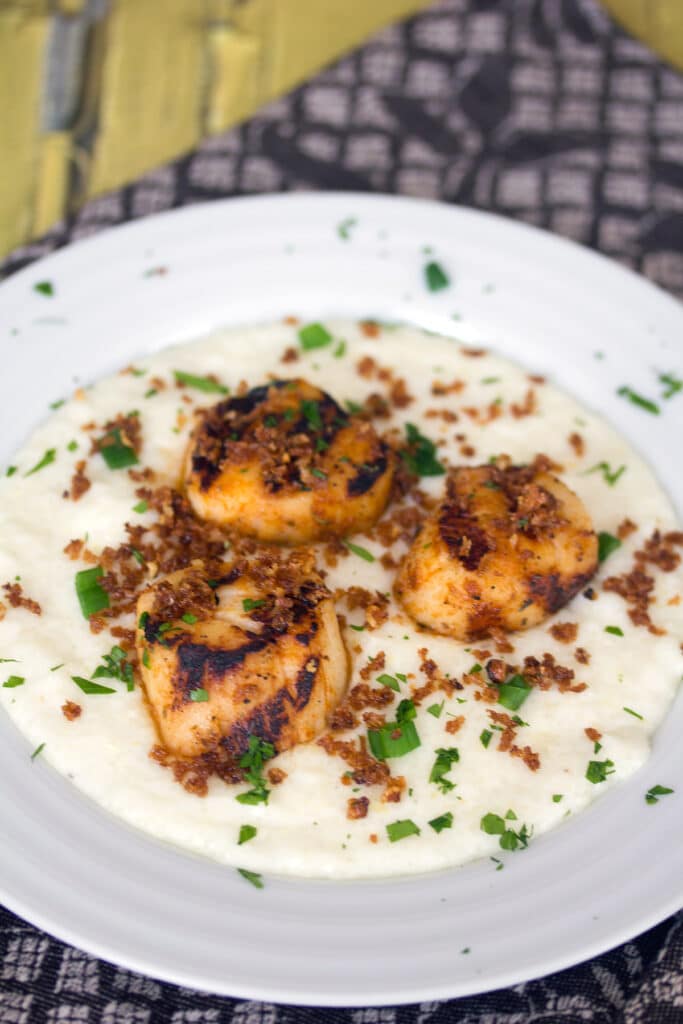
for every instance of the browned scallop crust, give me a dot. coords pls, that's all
(284, 463)
(506, 548)
(212, 678)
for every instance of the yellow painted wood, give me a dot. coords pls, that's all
(659, 23)
(234, 89)
(150, 110)
(52, 181)
(22, 46)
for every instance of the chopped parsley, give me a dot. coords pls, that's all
(116, 667)
(436, 277)
(513, 692)
(199, 696)
(310, 410)
(48, 458)
(115, 452)
(206, 384)
(630, 711)
(318, 473)
(557, 797)
(636, 399)
(446, 757)
(58, 403)
(344, 228)
(13, 681)
(72, 446)
(386, 680)
(436, 709)
(251, 876)
(420, 454)
(609, 475)
(672, 385)
(89, 687)
(314, 336)
(653, 794)
(44, 288)
(485, 737)
(442, 822)
(614, 630)
(39, 749)
(10, 471)
(189, 618)
(141, 507)
(340, 350)
(494, 825)
(402, 829)
(358, 550)
(249, 603)
(597, 771)
(393, 739)
(253, 760)
(607, 545)
(91, 597)
(247, 832)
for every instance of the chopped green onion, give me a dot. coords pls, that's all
(636, 399)
(44, 288)
(390, 681)
(92, 598)
(11, 470)
(140, 507)
(597, 771)
(402, 829)
(607, 544)
(358, 629)
(116, 454)
(614, 630)
(199, 695)
(436, 709)
(249, 604)
(557, 797)
(485, 737)
(314, 336)
(442, 822)
(58, 403)
(405, 712)
(5, 661)
(247, 832)
(446, 757)
(436, 277)
(206, 384)
(393, 739)
(420, 455)
(513, 692)
(189, 618)
(340, 350)
(630, 711)
(39, 749)
(87, 686)
(318, 473)
(610, 476)
(55, 667)
(672, 384)
(72, 446)
(356, 549)
(116, 667)
(13, 681)
(251, 876)
(652, 795)
(48, 458)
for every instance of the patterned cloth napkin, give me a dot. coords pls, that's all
(538, 109)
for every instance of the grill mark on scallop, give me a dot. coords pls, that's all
(367, 475)
(463, 537)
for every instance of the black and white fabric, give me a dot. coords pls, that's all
(542, 110)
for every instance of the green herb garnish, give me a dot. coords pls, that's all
(442, 822)
(11, 470)
(72, 446)
(653, 794)
(39, 749)
(58, 403)
(436, 277)
(597, 771)
(609, 475)
(358, 550)
(607, 545)
(247, 832)
(436, 709)
(251, 876)
(340, 350)
(420, 454)
(314, 336)
(402, 829)
(485, 736)
(344, 228)
(446, 757)
(253, 760)
(557, 797)
(48, 458)
(189, 618)
(636, 399)
(310, 410)
(13, 681)
(249, 603)
(513, 692)
(44, 288)
(205, 384)
(87, 686)
(630, 711)
(115, 452)
(672, 385)
(394, 739)
(352, 407)
(92, 598)
(390, 681)
(116, 667)
(140, 507)
(614, 630)
(199, 696)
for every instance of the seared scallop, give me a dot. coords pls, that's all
(254, 651)
(508, 546)
(284, 463)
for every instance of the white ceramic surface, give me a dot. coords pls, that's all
(590, 884)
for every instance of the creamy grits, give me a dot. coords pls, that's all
(630, 673)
